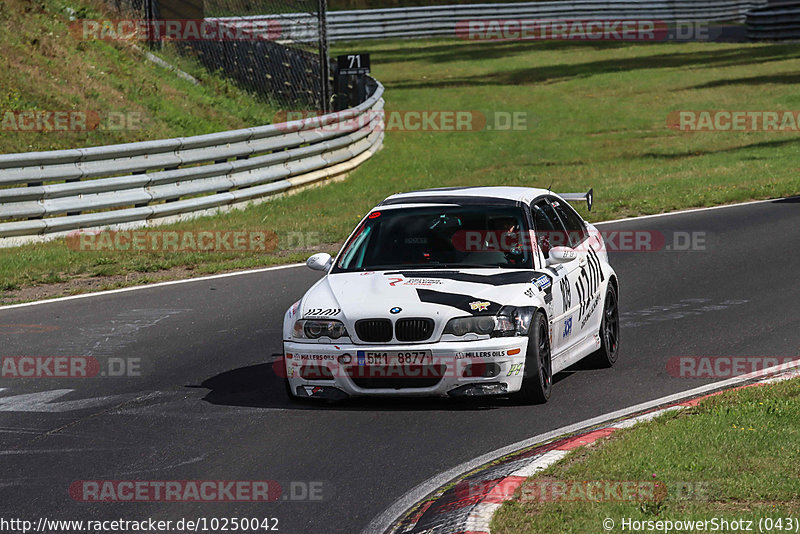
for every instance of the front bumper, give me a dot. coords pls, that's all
(464, 368)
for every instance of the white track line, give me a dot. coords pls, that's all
(693, 210)
(159, 284)
(384, 520)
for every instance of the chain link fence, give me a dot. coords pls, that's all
(276, 49)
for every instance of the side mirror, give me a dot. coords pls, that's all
(562, 255)
(321, 261)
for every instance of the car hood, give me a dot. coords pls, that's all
(439, 295)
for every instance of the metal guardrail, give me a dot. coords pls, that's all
(433, 21)
(46, 194)
(776, 22)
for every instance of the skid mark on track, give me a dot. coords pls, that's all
(42, 401)
(676, 311)
(108, 337)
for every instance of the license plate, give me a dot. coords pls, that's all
(395, 357)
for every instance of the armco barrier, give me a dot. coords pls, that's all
(45, 194)
(776, 22)
(433, 21)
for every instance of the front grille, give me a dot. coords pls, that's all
(396, 377)
(374, 330)
(413, 329)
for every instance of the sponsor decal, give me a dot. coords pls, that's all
(543, 282)
(482, 354)
(322, 312)
(566, 293)
(515, 370)
(414, 282)
(314, 357)
(455, 300)
(588, 283)
(502, 279)
(591, 311)
(479, 306)
(567, 327)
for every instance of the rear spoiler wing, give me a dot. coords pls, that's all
(580, 197)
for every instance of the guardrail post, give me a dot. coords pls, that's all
(324, 64)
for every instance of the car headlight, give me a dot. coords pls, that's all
(509, 321)
(513, 321)
(470, 325)
(315, 329)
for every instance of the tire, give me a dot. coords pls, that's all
(606, 355)
(537, 379)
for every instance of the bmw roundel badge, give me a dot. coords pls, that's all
(395, 310)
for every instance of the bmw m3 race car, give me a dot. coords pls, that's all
(455, 292)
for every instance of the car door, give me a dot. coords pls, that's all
(550, 232)
(586, 276)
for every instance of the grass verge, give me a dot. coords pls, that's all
(733, 457)
(595, 116)
(46, 68)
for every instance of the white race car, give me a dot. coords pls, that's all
(455, 292)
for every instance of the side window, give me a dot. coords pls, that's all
(549, 230)
(572, 221)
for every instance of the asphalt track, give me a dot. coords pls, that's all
(207, 405)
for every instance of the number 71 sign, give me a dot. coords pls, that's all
(352, 64)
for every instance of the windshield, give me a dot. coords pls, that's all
(439, 236)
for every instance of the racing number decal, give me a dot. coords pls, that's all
(566, 293)
(589, 281)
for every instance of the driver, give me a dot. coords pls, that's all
(505, 232)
